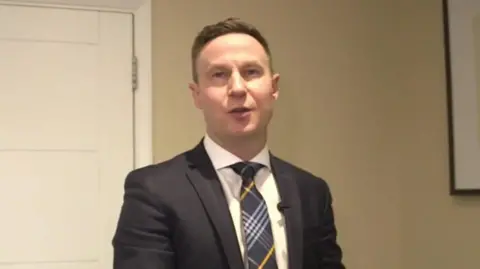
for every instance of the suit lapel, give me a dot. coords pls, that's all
(204, 179)
(288, 191)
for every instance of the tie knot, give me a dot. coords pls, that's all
(247, 170)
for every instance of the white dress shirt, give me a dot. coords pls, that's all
(266, 185)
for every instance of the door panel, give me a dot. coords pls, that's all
(53, 213)
(49, 24)
(56, 83)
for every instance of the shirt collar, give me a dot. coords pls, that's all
(222, 158)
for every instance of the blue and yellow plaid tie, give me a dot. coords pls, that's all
(259, 243)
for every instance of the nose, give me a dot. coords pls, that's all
(237, 85)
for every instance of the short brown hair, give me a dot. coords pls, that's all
(227, 26)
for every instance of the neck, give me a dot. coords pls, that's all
(244, 148)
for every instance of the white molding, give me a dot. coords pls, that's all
(141, 9)
(130, 6)
(143, 95)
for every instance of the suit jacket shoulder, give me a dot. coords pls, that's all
(305, 179)
(160, 173)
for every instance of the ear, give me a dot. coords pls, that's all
(195, 91)
(275, 85)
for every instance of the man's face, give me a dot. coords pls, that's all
(235, 90)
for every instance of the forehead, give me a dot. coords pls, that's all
(233, 48)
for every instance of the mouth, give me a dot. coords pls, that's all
(240, 110)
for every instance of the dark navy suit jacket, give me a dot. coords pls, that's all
(175, 216)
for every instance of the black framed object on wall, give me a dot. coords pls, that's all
(462, 55)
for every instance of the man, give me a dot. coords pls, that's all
(228, 203)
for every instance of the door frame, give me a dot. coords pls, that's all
(141, 11)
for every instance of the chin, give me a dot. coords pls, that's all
(244, 131)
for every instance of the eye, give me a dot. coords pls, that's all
(219, 74)
(252, 72)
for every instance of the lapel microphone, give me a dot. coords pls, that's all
(281, 207)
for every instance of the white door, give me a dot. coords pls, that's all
(66, 135)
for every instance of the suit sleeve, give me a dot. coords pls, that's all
(142, 237)
(331, 253)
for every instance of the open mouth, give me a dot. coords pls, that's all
(240, 110)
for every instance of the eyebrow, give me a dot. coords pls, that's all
(216, 65)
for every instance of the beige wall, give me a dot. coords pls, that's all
(362, 105)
